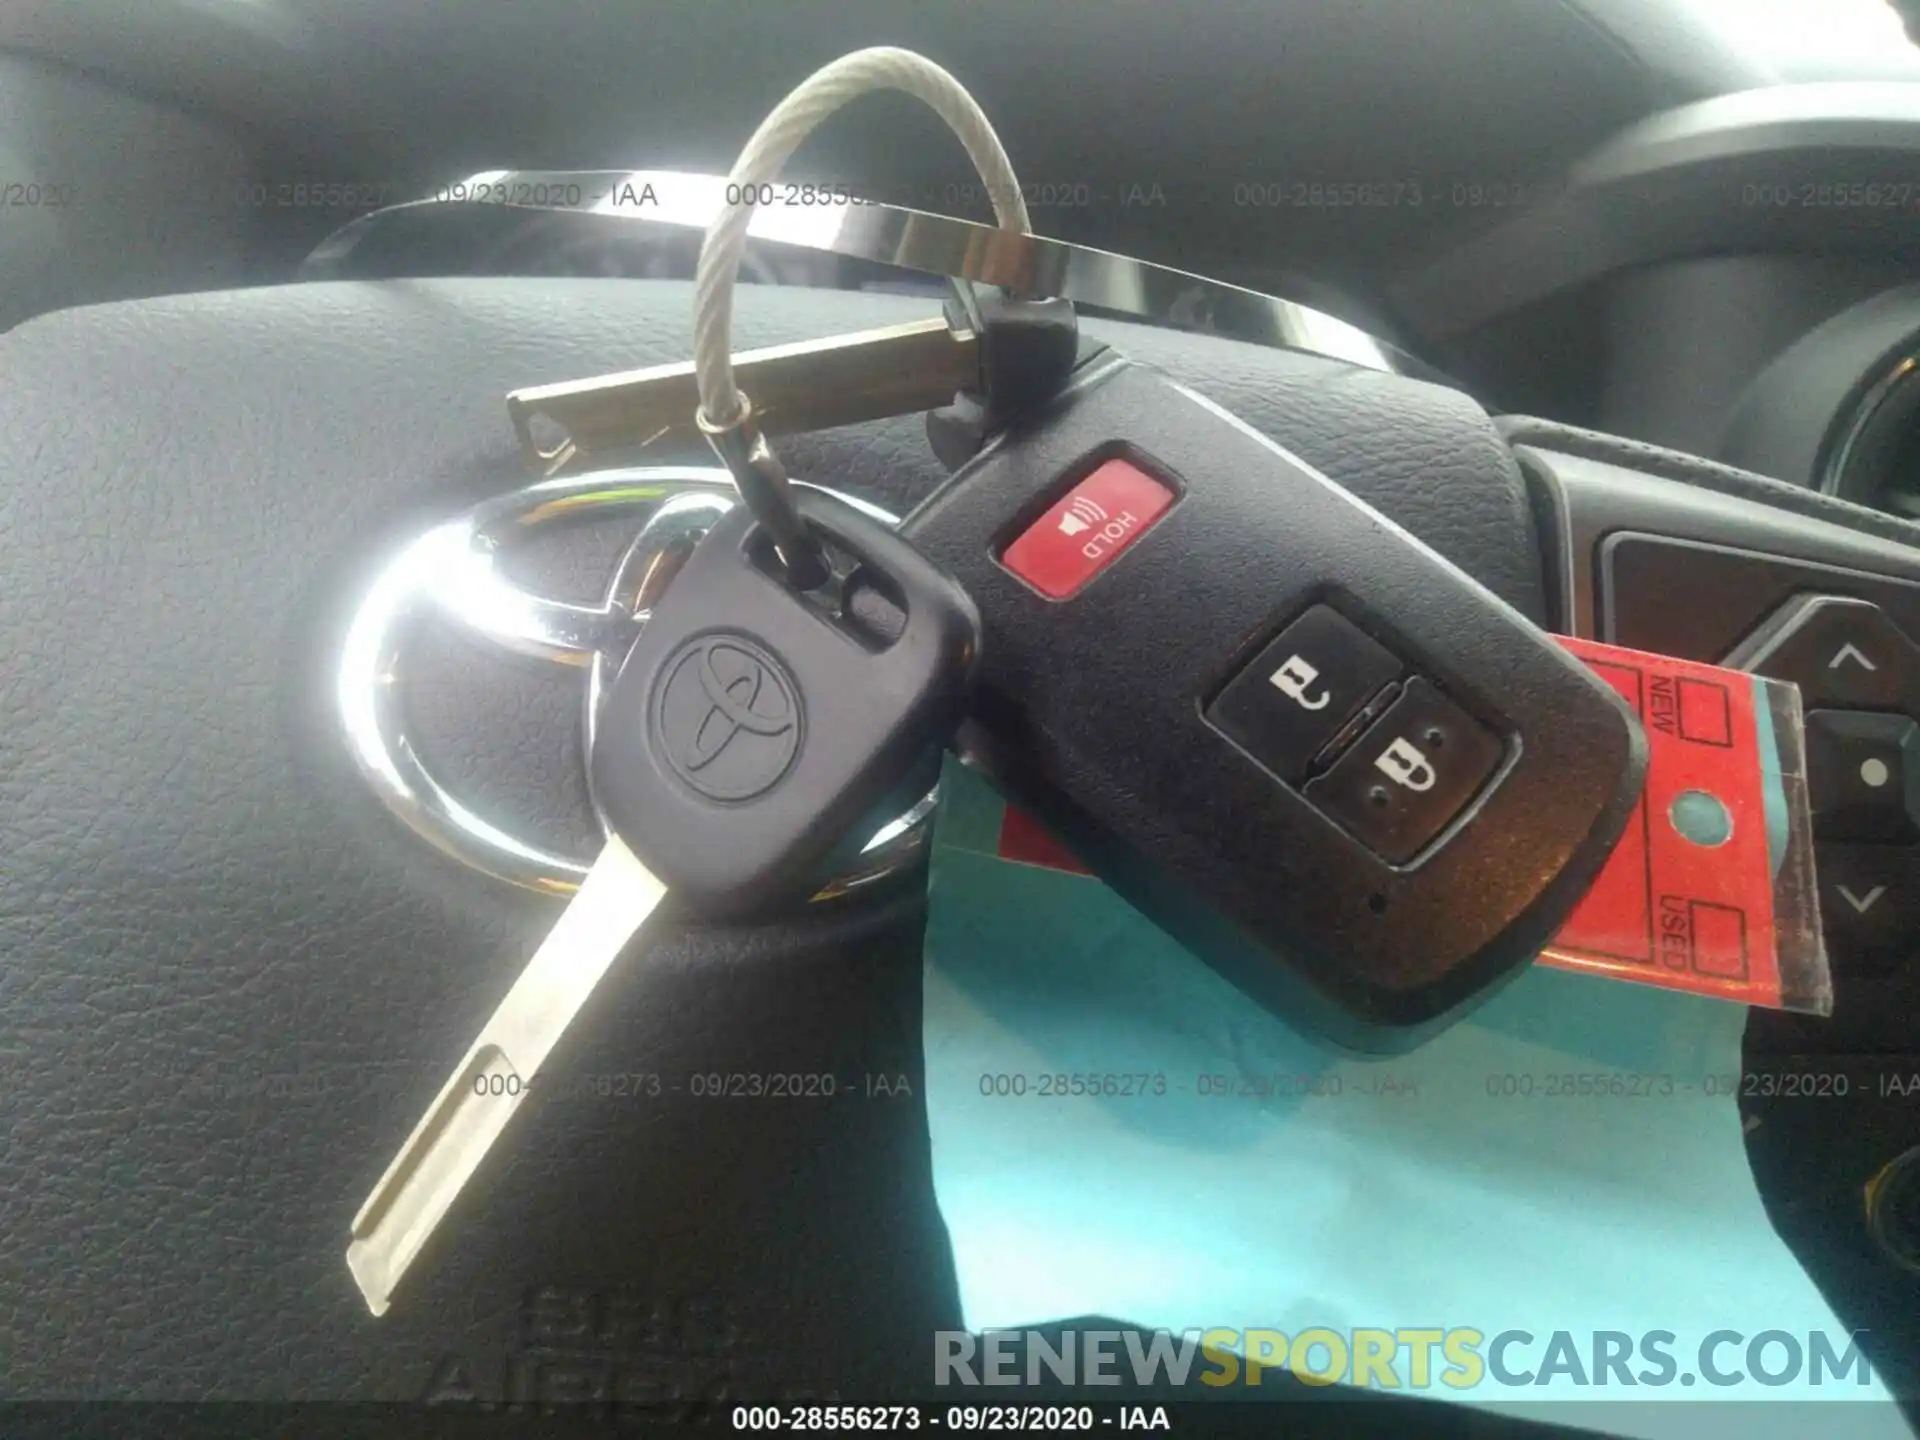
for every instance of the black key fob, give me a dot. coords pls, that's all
(752, 724)
(1330, 762)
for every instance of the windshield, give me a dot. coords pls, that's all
(1817, 39)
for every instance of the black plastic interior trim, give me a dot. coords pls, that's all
(1737, 173)
(1709, 474)
(1796, 411)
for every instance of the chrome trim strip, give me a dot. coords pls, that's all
(450, 571)
(909, 240)
(1832, 476)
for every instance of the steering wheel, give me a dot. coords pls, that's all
(231, 976)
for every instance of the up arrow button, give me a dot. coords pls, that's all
(1843, 654)
(1851, 652)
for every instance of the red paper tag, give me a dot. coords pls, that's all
(1025, 842)
(1687, 913)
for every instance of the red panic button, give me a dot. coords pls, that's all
(1087, 528)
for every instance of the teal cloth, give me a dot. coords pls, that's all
(1433, 1203)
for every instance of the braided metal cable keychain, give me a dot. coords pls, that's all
(725, 414)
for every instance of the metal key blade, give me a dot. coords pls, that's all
(447, 1146)
(811, 385)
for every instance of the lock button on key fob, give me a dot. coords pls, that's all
(1403, 781)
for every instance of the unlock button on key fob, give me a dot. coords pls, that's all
(1296, 695)
(1410, 774)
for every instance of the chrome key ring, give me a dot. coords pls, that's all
(451, 572)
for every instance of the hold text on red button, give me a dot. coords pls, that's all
(1087, 528)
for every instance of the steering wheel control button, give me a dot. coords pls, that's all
(1298, 694)
(1410, 774)
(1842, 653)
(1086, 529)
(1870, 906)
(1863, 775)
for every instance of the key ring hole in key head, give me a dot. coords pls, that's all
(763, 485)
(550, 439)
(860, 600)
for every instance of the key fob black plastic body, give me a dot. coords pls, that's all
(751, 725)
(1324, 758)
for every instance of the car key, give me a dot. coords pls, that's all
(1324, 758)
(498, 1071)
(749, 728)
(812, 385)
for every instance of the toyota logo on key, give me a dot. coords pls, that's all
(727, 716)
(456, 574)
